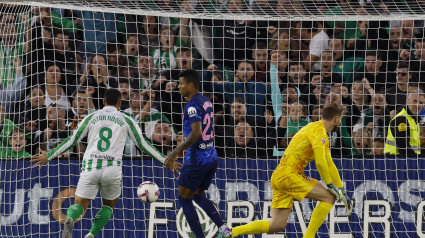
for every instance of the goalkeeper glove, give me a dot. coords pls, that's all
(349, 204)
(337, 192)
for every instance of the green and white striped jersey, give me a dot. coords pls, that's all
(107, 130)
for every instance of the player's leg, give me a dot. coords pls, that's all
(276, 224)
(102, 217)
(189, 210)
(207, 205)
(73, 213)
(319, 193)
(87, 189)
(110, 190)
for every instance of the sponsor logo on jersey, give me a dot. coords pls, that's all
(191, 111)
(323, 140)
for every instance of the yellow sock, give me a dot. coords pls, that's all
(319, 214)
(255, 227)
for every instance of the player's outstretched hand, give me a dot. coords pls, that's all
(349, 204)
(337, 192)
(171, 163)
(41, 159)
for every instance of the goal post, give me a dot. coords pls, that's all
(57, 58)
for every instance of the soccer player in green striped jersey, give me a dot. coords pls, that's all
(107, 130)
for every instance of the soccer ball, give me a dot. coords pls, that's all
(148, 192)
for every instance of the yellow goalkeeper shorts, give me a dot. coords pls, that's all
(287, 184)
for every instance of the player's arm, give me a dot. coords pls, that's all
(137, 136)
(333, 171)
(322, 164)
(194, 136)
(65, 145)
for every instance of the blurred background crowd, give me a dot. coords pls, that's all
(266, 79)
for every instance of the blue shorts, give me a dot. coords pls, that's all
(197, 177)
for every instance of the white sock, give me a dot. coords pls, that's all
(222, 228)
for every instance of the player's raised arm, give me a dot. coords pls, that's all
(136, 135)
(65, 145)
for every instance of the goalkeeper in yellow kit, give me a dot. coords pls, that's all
(288, 180)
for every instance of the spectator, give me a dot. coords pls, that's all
(165, 57)
(225, 126)
(162, 136)
(97, 81)
(280, 42)
(378, 147)
(396, 96)
(132, 48)
(64, 56)
(313, 33)
(298, 76)
(403, 131)
(184, 61)
(147, 72)
(17, 144)
(260, 57)
(297, 119)
(149, 37)
(346, 67)
(11, 95)
(114, 56)
(316, 114)
(362, 141)
(375, 118)
(244, 144)
(56, 90)
(244, 87)
(321, 83)
(35, 118)
(359, 42)
(126, 90)
(417, 60)
(379, 80)
(56, 130)
(360, 94)
(82, 105)
(7, 126)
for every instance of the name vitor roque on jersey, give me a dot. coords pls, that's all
(109, 118)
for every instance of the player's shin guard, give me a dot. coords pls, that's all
(191, 216)
(74, 211)
(101, 219)
(209, 208)
(319, 214)
(255, 227)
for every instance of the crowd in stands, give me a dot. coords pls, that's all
(266, 79)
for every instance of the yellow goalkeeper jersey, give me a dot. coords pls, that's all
(300, 151)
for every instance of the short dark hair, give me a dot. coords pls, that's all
(331, 110)
(112, 46)
(183, 49)
(259, 46)
(377, 54)
(239, 100)
(59, 30)
(402, 64)
(296, 63)
(191, 76)
(112, 96)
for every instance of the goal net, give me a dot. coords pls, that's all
(268, 67)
